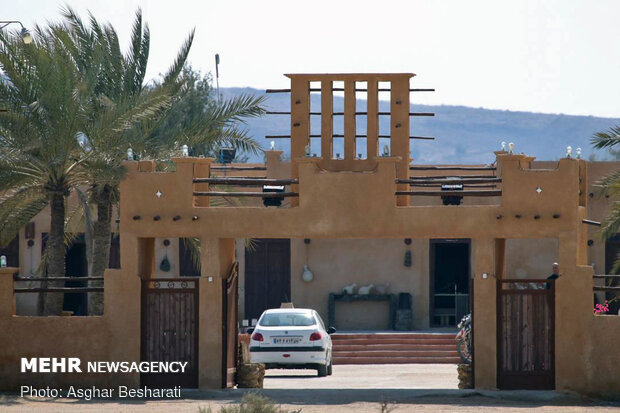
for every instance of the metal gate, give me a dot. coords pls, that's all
(170, 329)
(525, 334)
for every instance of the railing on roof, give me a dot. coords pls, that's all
(272, 189)
(47, 289)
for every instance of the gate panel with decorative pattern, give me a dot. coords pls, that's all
(525, 328)
(170, 329)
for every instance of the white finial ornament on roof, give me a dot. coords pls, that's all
(511, 148)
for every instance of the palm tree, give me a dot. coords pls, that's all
(117, 82)
(610, 185)
(40, 156)
(55, 130)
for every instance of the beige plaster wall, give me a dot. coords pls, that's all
(111, 337)
(530, 258)
(340, 262)
(337, 263)
(172, 252)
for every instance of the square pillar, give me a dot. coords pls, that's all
(574, 305)
(7, 297)
(202, 169)
(485, 313)
(216, 256)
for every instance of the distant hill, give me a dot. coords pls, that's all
(463, 134)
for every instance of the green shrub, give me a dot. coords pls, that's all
(251, 403)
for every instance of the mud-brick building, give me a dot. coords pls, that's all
(528, 332)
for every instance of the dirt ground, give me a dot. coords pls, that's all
(352, 389)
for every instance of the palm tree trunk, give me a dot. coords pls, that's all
(101, 246)
(52, 302)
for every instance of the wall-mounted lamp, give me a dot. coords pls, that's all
(306, 274)
(24, 33)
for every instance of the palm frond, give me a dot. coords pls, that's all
(606, 140)
(192, 248)
(175, 70)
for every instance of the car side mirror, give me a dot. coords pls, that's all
(250, 330)
(331, 330)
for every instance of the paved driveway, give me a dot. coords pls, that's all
(372, 376)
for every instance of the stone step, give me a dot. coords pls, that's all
(397, 353)
(397, 348)
(390, 336)
(409, 346)
(396, 360)
(366, 341)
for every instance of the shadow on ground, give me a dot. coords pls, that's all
(326, 397)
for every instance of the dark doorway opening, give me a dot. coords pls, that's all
(267, 275)
(76, 266)
(11, 252)
(449, 281)
(187, 266)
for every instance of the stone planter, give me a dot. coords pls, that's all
(466, 376)
(250, 376)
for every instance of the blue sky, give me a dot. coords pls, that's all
(551, 56)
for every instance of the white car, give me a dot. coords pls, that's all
(292, 338)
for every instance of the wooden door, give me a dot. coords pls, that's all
(170, 329)
(526, 332)
(267, 276)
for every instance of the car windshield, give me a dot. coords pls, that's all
(286, 320)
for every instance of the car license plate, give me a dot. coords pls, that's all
(286, 340)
